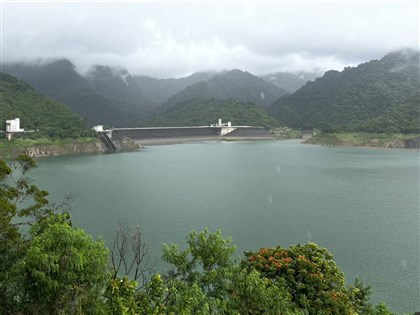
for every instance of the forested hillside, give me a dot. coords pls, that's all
(357, 98)
(158, 91)
(403, 118)
(60, 81)
(202, 112)
(121, 89)
(235, 84)
(37, 112)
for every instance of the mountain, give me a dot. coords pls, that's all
(344, 100)
(103, 95)
(290, 82)
(158, 91)
(203, 112)
(36, 111)
(119, 87)
(231, 85)
(60, 81)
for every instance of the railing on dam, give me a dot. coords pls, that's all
(165, 132)
(179, 132)
(199, 132)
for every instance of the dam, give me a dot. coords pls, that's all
(167, 135)
(163, 135)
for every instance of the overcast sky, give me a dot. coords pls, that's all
(174, 39)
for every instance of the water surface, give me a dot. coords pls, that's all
(363, 205)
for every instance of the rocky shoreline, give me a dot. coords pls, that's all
(65, 149)
(126, 144)
(45, 150)
(401, 145)
(368, 141)
(361, 147)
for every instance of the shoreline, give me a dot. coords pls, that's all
(360, 147)
(166, 141)
(133, 145)
(72, 147)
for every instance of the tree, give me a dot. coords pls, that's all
(129, 254)
(205, 279)
(308, 271)
(129, 258)
(46, 265)
(21, 203)
(312, 278)
(64, 269)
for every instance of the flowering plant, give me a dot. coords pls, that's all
(309, 273)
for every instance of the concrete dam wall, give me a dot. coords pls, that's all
(185, 134)
(250, 132)
(167, 133)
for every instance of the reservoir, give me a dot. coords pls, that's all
(361, 204)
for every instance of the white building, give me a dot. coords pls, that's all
(98, 128)
(221, 124)
(13, 125)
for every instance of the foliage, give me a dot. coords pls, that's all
(200, 273)
(205, 279)
(201, 112)
(46, 265)
(121, 297)
(309, 273)
(377, 96)
(313, 280)
(404, 118)
(63, 268)
(20, 202)
(37, 112)
(18, 199)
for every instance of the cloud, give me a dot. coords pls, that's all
(175, 39)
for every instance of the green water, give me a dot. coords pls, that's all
(363, 205)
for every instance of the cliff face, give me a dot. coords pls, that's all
(97, 147)
(71, 148)
(126, 144)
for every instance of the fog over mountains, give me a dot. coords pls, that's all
(290, 82)
(358, 98)
(115, 97)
